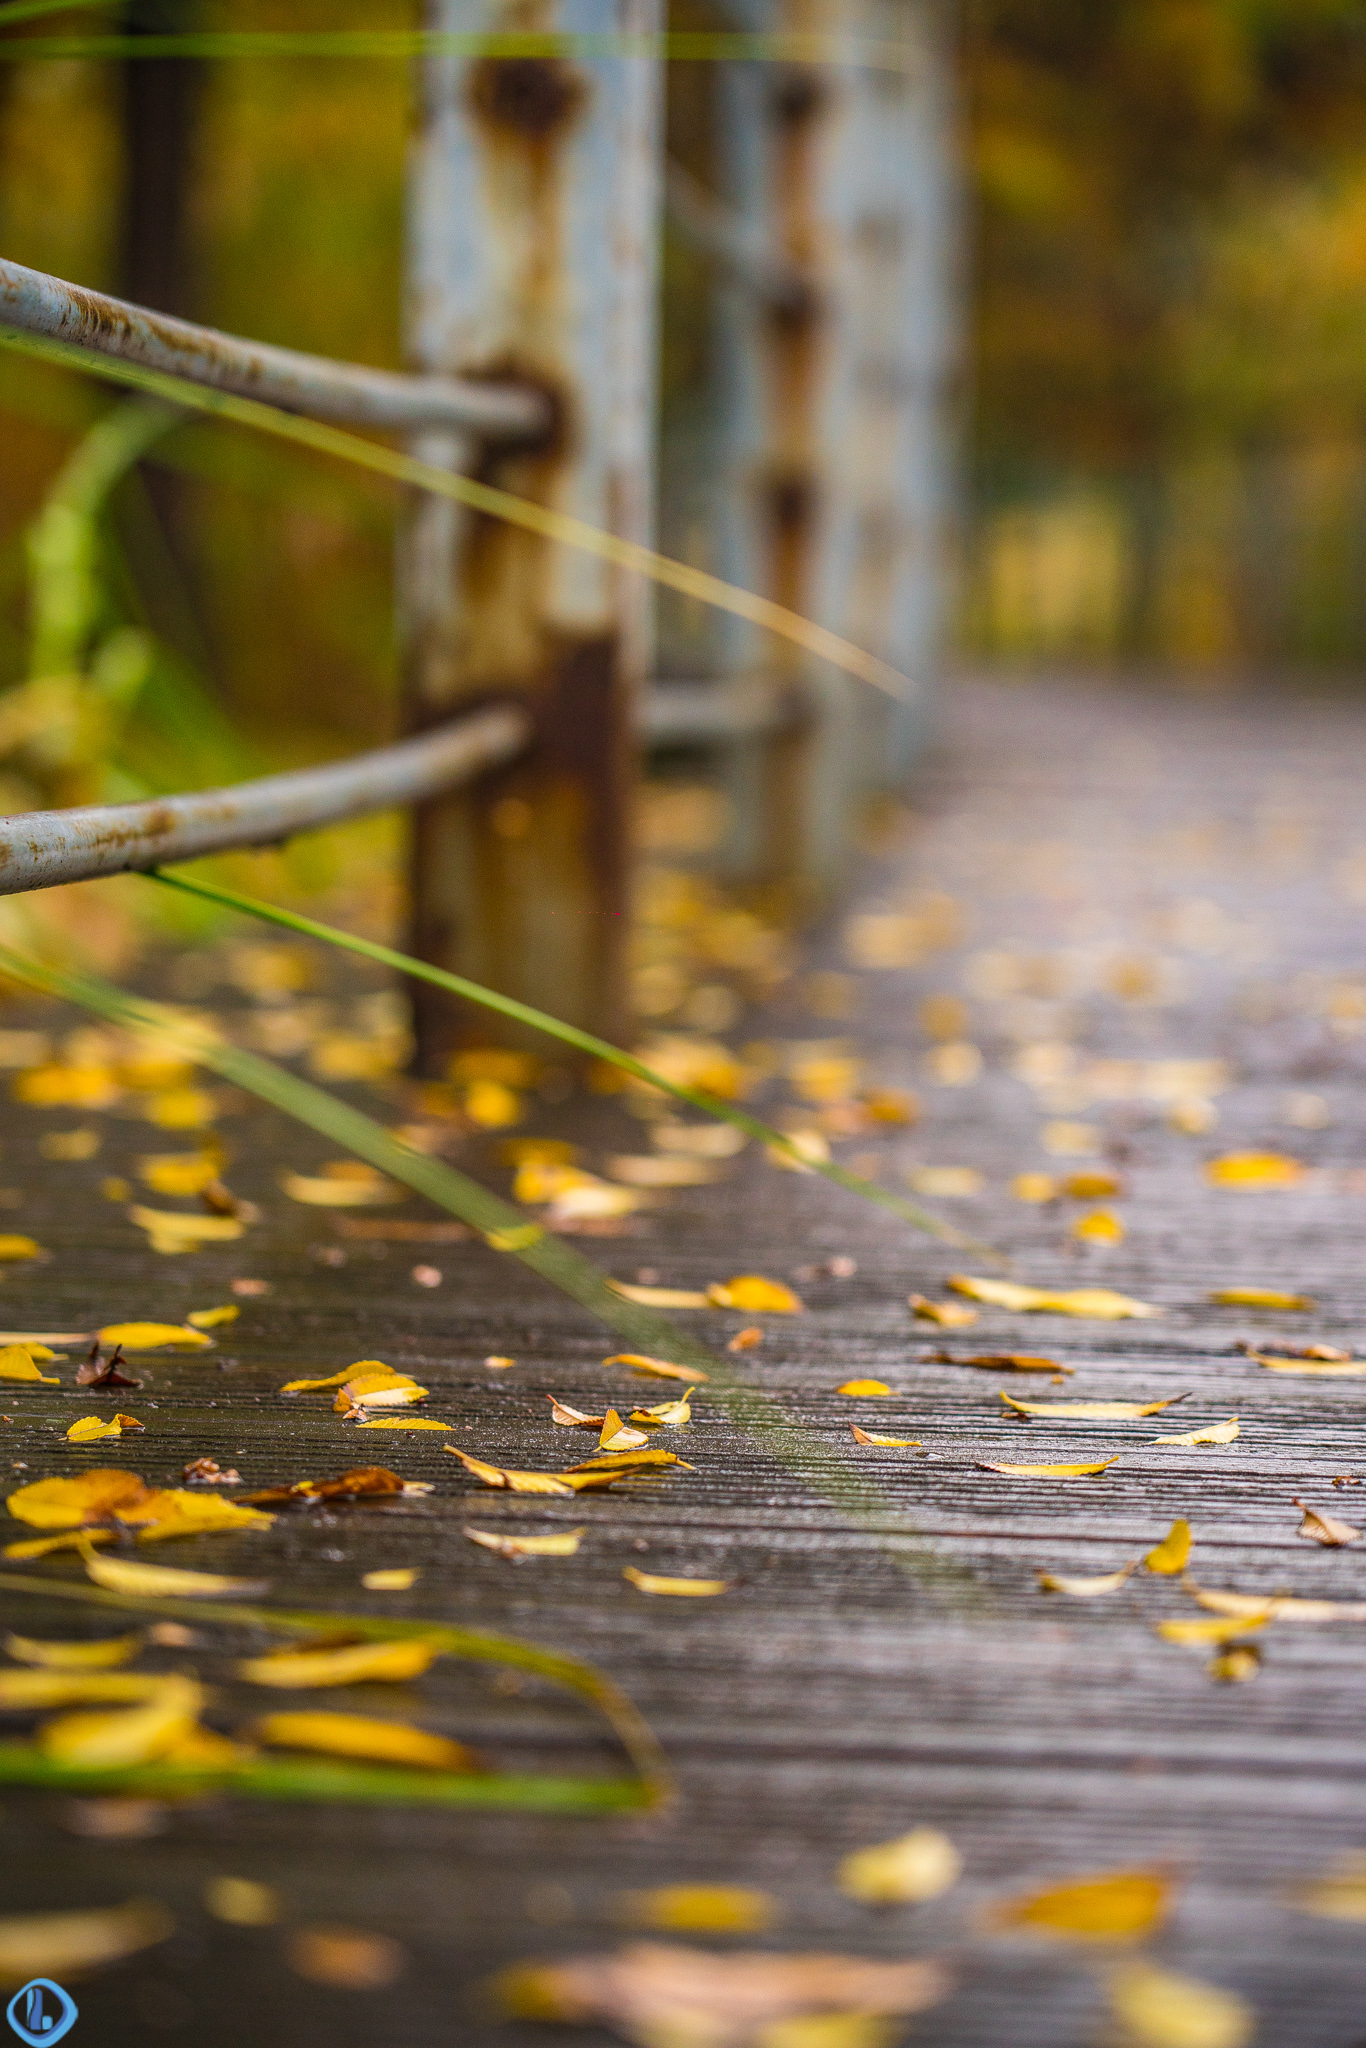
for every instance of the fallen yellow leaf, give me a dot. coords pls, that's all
(1217, 1433)
(1235, 1664)
(64, 1945)
(1090, 1411)
(1254, 1170)
(863, 1387)
(90, 1429)
(211, 1318)
(1157, 2009)
(1320, 1368)
(1338, 1895)
(1325, 1528)
(1093, 1186)
(622, 1461)
(660, 1297)
(397, 1579)
(1097, 1304)
(1009, 1361)
(1046, 1471)
(700, 1909)
(617, 1436)
(59, 1086)
(358, 1735)
(366, 1189)
(512, 1482)
(1170, 1555)
(1034, 1187)
(651, 1582)
(564, 1543)
(134, 1735)
(153, 1337)
(128, 1575)
(171, 1232)
(904, 1872)
(241, 1902)
(1260, 1297)
(894, 1443)
(672, 1170)
(640, 1361)
(16, 1363)
(43, 1546)
(755, 1295)
(67, 1503)
(181, 1173)
(335, 1380)
(39, 1691)
(378, 1387)
(566, 1417)
(1101, 1226)
(14, 1248)
(87, 1656)
(405, 1422)
(665, 1414)
(354, 1664)
(1086, 1589)
(1199, 1633)
(1118, 1905)
(950, 1315)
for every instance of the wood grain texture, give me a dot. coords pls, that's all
(872, 1670)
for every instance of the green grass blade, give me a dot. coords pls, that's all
(582, 1041)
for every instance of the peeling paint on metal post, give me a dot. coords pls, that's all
(835, 489)
(533, 254)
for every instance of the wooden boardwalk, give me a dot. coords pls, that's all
(1141, 878)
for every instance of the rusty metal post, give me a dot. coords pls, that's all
(836, 474)
(533, 231)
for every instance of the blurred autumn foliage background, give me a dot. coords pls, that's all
(1165, 364)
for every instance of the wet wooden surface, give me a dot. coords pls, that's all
(847, 1687)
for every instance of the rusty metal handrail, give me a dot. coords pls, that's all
(39, 849)
(345, 393)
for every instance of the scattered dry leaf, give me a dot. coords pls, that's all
(1046, 1471)
(698, 1141)
(660, 1297)
(358, 1735)
(241, 1902)
(564, 1543)
(1326, 1529)
(361, 1482)
(755, 1296)
(1091, 1411)
(512, 1482)
(1198, 1634)
(951, 1315)
(346, 1958)
(652, 1582)
(13, 1248)
(371, 1384)
(945, 1183)
(1170, 1555)
(181, 1173)
(564, 1416)
(1008, 1361)
(37, 1691)
(904, 1872)
(1340, 1894)
(640, 1361)
(665, 1414)
(213, 1318)
(1086, 1589)
(16, 1363)
(1092, 1186)
(1101, 1226)
(863, 1387)
(1260, 1297)
(896, 1443)
(1157, 2009)
(65, 1945)
(344, 1184)
(700, 1909)
(393, 1579)
(85, 1656)
(405, 1422)
(618, 1436)
(1034, 1187)
(152, 1337)
(133, 1735)
(128, 1575)
(1216, 1433)
(1117, 1905)
(672, 1170)
(1254, 1170)
(1097, 1304)
(1235, 1664)
(354, 1664)
(90, 1429)
(745, 1340)
(1322, 1368)
(170, 1231)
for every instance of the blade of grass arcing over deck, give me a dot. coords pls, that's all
(315, 1779)
(497, 504)
(505, 1230)
(582, 1041)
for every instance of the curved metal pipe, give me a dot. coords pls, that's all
(39, 849)
(344, 393)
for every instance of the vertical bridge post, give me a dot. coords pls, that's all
(533, 234)
(835, 463)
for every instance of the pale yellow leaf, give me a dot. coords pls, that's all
(895, 1443)
(90, 1497)
(1325, 1528)
(1157, 2009)
(365, 1190)
(1201, 1633)
(903, 1872)
(171, 1232)
(1319, 1368)
(617, 1436)
(212, 1318)
(1260, 1297)
(152, 1337)
(755, 1295)
(512, 1482)
(660, 1368)
(1118, 1905)
(80, 1656)
(660, 1297)
(700, 1909)
(1096, 1304)
(665, 1414)
(405, 1422)
(133, 1736)
(950, 1315)
(16, 1363)
(566, 1417)
(1170, 1555)
(14, 1248)
(1086, 1589)
(1034, 1187)
(863, 1387)
(1254, 1170)
(90, 1429)
(672, 1170)
(181, 1173)
(65, 1945)
(698, 1141)
(1277, 1607)
(564, 1543)
(1340, 1894)
(36, 1691)
(241, 1902)
(1101, 1226)
(396, 1579)
(652, 1582)
(1235, 1664)
(1216, 1433)
(359, 1735)
(1090, 1411)
(337, 1379)
(945, 1183)
(43, 1546)
(355, 1664)
(1046, 1471)
(128, 1575)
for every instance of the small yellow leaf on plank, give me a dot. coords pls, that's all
(1235, 1664)
(1200, 1633)
(892, 1443)
(64, 1945)
(660, 1297)
(181, 1173)
(1086, 1589)
(627, 1461)
(171, 1232)
(337, 1379)
(1034, 1187)
(652, 1582)
(1092, 1186)
(564, 1543)
(368, 1190)
(950, 1315)
(1097, 1304)
(16, 1363)
(133, 1735)
(1046, 1471)
(1117, 1905)
(361, 1735)
(1158, 2009)
(152, 1337)
(1340, 1894)
(1090, 1411)
(355, 1664)
(495, 1363)
(405, 1422)
(1318, 1368)
(241, 1902)
(903, 1872)
(665, 1414)
(1101, 1226)
(43, 1546)
(863, 1387)
(1170, 1555)
(1260, 1297)
(1009, 1361)
(39, 1691)
(90, 1428)
(617, 1436)
(1277, 1607)
(90, 1497)
(672, 1170)
(660, 1368)
(1326, 1529)
(566, 1417)
(511, 1482)
(212, 1318)
(87, 1656)
(1216, 1433)
(1254, 1170)
(127, 1575)
(395, 1579)
(14, 1248)
(700, 1909)
(755, 1295)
